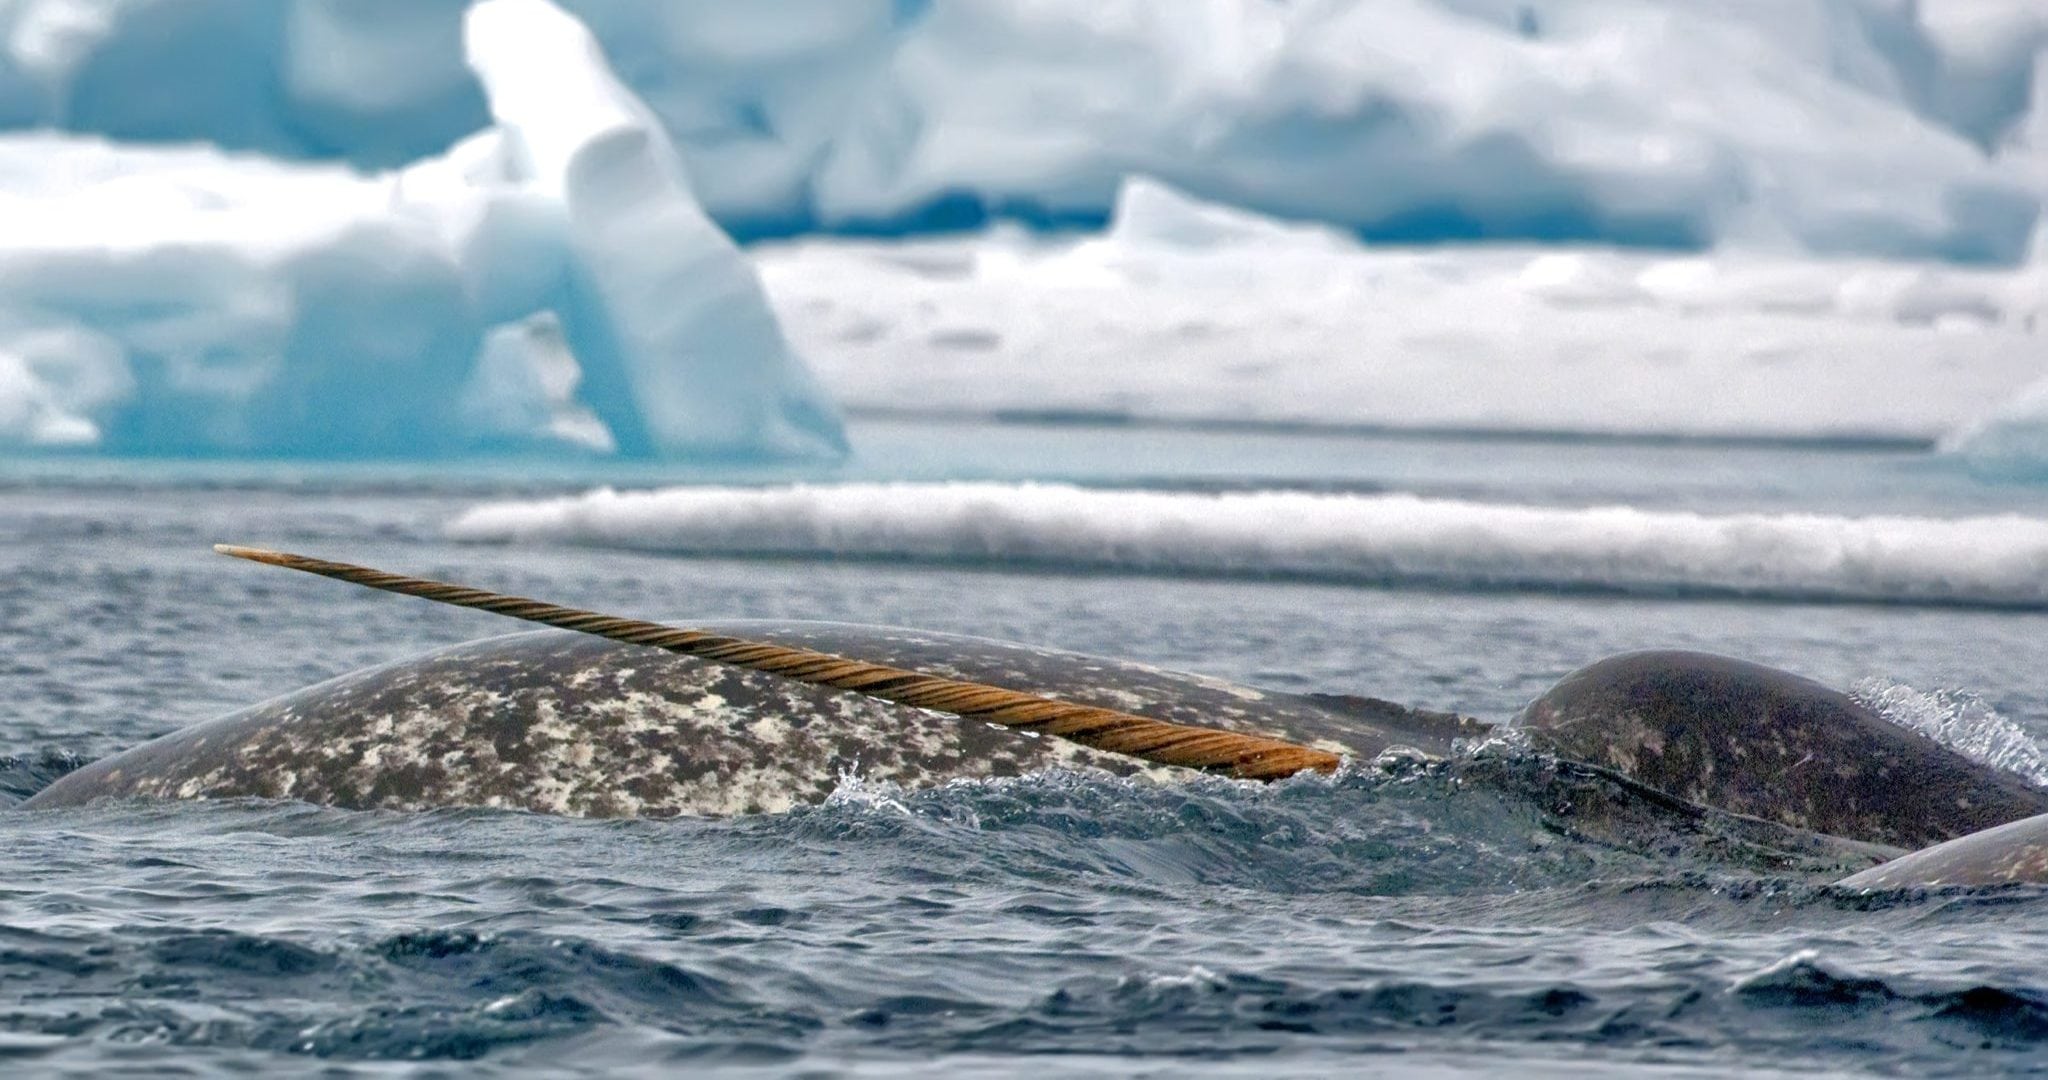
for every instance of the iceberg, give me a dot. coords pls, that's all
(680, 351)
(403, 216)
(1842, 127)
(548, 283)
(193, 301)
(1661, 124)
(377, 82)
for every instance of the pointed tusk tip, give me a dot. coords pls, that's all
(253, 554)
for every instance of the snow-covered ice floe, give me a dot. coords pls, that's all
(190, 300)
(1186, 311)
(1370, 539)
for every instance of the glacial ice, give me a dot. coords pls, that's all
(193, 300)
(255, 296)
(184, 301)
(680, 352)
(1850, 127)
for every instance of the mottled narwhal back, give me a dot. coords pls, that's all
(1755, 740)
(566, 723)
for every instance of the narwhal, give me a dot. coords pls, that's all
(606, 716)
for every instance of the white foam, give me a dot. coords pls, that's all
(865, 796)
(1398, 539)
(1802, 968)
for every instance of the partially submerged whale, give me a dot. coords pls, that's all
(1755, 764)
(566, 723)
(1755, 740)
(2008, 854)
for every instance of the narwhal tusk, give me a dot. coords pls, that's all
(1250, 757)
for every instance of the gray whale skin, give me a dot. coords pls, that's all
(564, 723)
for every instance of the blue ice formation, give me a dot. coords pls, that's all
(1908, 128)
(549, 283)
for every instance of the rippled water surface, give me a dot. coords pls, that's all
(1439, 921)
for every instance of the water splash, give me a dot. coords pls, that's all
(1803, 978)
(855, 792)
(1960, 720)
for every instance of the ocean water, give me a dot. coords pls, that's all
(1430, 921)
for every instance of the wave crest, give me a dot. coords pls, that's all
(1387, 539)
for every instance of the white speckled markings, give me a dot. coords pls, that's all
(564, 723)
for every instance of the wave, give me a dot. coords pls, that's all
(22, 775)
(1428, 907)
(1387, 539)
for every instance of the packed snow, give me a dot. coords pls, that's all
(1375, 539)
(1871, 127)
(192, 300)
(1183, 311)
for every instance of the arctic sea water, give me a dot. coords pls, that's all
(1069, 924)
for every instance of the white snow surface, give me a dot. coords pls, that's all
(1854, 127)
(192, 300)
(1184, 311)
(1376, 539)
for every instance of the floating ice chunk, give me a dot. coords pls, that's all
(1984, 58)
(1580, 277)
(379, 82)
(2008, 442)
(231, 305)
(380, 77)
(1661, 123)
(679, 348)
(757, 94)
(1151, 214)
